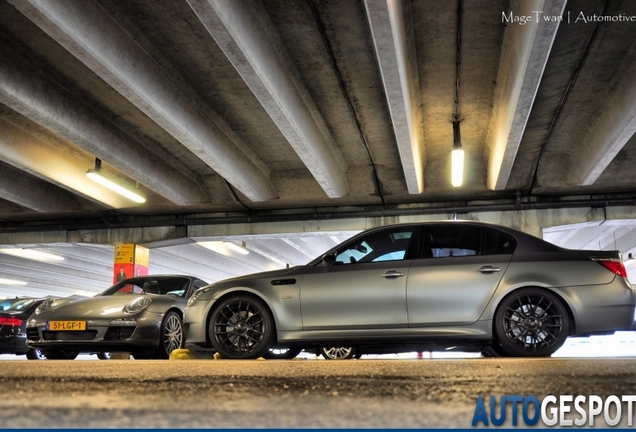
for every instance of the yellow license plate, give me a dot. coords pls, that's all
(67, 325)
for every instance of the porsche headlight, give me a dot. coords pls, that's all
(44, 306)
(137, 305)
(197, 293)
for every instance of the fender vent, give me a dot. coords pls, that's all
(283, 282)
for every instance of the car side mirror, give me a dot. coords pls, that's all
(329, 259)
(362, 249)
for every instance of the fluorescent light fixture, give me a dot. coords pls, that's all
(224, 247)
(237, 248)
(97, 176)
(457, 166)
(32, 254)
(214, 246)
(457, 158)
(11, 282)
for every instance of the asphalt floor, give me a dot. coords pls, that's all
(300, 393)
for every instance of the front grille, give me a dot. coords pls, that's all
(32, 334)
(118, 333)
(69, 335)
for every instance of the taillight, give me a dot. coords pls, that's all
(616, 267)
(10, 321)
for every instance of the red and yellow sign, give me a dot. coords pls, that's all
(130, 260)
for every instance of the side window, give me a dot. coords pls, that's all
(497, 242)
(444, 241)
(198, 283)
(387, 245)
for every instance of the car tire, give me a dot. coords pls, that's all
(241, 327)
(282, 353)
(35, 354)
(103, 355)
(60, 355)
(493, 350)
(170, 336)
(337, 353)
(531, 322)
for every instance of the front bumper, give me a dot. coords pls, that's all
(195, 322)
(99, 335)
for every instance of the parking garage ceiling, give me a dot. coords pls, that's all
(210, 108)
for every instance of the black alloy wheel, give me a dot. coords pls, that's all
(282, 353)
(337, 353)
(170, 336)
(241, 327)
(35, 354)
(531, 323)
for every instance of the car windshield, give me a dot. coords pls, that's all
(20, 305)
(150, 285)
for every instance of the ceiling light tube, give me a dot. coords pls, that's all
(237, 248)
(224, 247)
(12, 282)
(32, 254)
(98, 177)
(457, 158)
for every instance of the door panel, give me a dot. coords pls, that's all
(452, 290)
(361, 295)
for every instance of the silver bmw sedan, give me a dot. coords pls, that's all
(419, 287)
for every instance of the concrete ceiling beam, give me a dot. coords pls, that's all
(54, 163)
(26, 91)
(615, 126)
(244, 33)
(55, 277)
(31, 192)
(525, 53)
(87, 31)
(213, 265)
(397, 61)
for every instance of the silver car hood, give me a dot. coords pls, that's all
(91, 307)
(267, 274)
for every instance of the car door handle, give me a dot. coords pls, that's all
(488, 269)
(392, 273)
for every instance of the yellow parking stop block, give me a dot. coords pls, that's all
(186, 354)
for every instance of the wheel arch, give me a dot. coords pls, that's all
(566, 304)
(176, 310)
(235, 292)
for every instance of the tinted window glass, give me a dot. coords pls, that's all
(199, 284)
(388, 245)
(21, 305)
(151, 285)
(452, 241)
(456, 241)
(497, 242)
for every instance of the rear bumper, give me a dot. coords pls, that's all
(13, 344)
(601, 309)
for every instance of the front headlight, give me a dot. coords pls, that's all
(44, 306)
(197, 293)
(137, 305)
